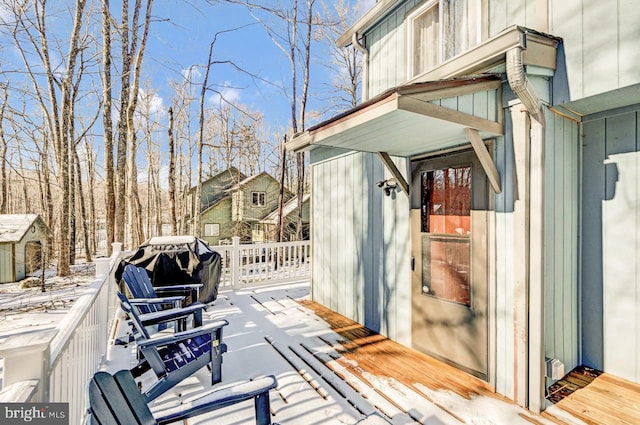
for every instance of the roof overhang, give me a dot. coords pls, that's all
(413, 119)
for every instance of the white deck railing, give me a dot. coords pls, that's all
(55, 365)
(265, 262)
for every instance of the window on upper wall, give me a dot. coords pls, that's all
(440, 30)
(211, 229)
(258, 199)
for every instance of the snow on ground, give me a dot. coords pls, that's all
(28, 308)
(269, 333)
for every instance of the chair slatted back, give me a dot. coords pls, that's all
(117, 401)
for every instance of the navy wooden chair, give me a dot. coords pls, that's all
(175, 356)
(139, 284)
(116, 400)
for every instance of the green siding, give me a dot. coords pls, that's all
(505, 13)
(561, 240)
(600, 44)
(611, 242)
(224, 210)
(6, 263)
(387, 50)
(361, 265)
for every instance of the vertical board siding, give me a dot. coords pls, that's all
(6, 263)
(591, 290)
(561, 247)
(611, 204)
(360, 244)
(387, 50)
(504, 261)
(600, 43)
(505, 13)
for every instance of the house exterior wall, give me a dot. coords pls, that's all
(235, 213)
(362, 264)
(610, 238)
(596, 61)
(387, 50)
(600, 44)
(7, 265)
(561, 226)
(504, 13)
(219, 214)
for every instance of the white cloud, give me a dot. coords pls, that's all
(192, 74)
(155, 102)
(225, 94)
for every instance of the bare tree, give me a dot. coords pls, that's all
(4, 145)
(31, 22)
(135, 209)
(291, 29)
(172, 174)
(107, 124)
(344, 63)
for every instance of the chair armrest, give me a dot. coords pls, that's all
(148, 319)
(176, 300)
(191, 289)
(217, 399)
(180, 336)
(185, 286)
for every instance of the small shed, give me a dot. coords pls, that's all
(23, 238)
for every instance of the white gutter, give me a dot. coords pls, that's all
(365, 66)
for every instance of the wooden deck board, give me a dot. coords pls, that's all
(376, 354)
(595, 398)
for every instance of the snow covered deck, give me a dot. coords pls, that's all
(271, 331)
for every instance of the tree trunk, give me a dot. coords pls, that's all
(121, 150)
(3, 154)
(203, 91)
(83, 212)
(91, 178)
(107, 124)
(172, 177)
(283, 167)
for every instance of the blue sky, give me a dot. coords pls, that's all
(183, 40)
(179, 38)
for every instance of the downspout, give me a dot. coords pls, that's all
(533, 388)
(521, 86)
(365, 65)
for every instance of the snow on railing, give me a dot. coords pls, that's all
(275, 262)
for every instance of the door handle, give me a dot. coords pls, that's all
(413, 263)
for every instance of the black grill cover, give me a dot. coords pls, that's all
(172, 260)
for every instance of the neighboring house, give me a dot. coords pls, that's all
(214, 189)
(235, 207)
(269, 224)
(506, 134)
(23, 238)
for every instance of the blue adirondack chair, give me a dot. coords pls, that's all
(115, 400)
(139, 284)
(174, 356)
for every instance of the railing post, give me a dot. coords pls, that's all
(26, 357)
(235, 261)
(103, 266)
(116, 248)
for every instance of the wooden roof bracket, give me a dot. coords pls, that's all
(391, 166)
(485, 158)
